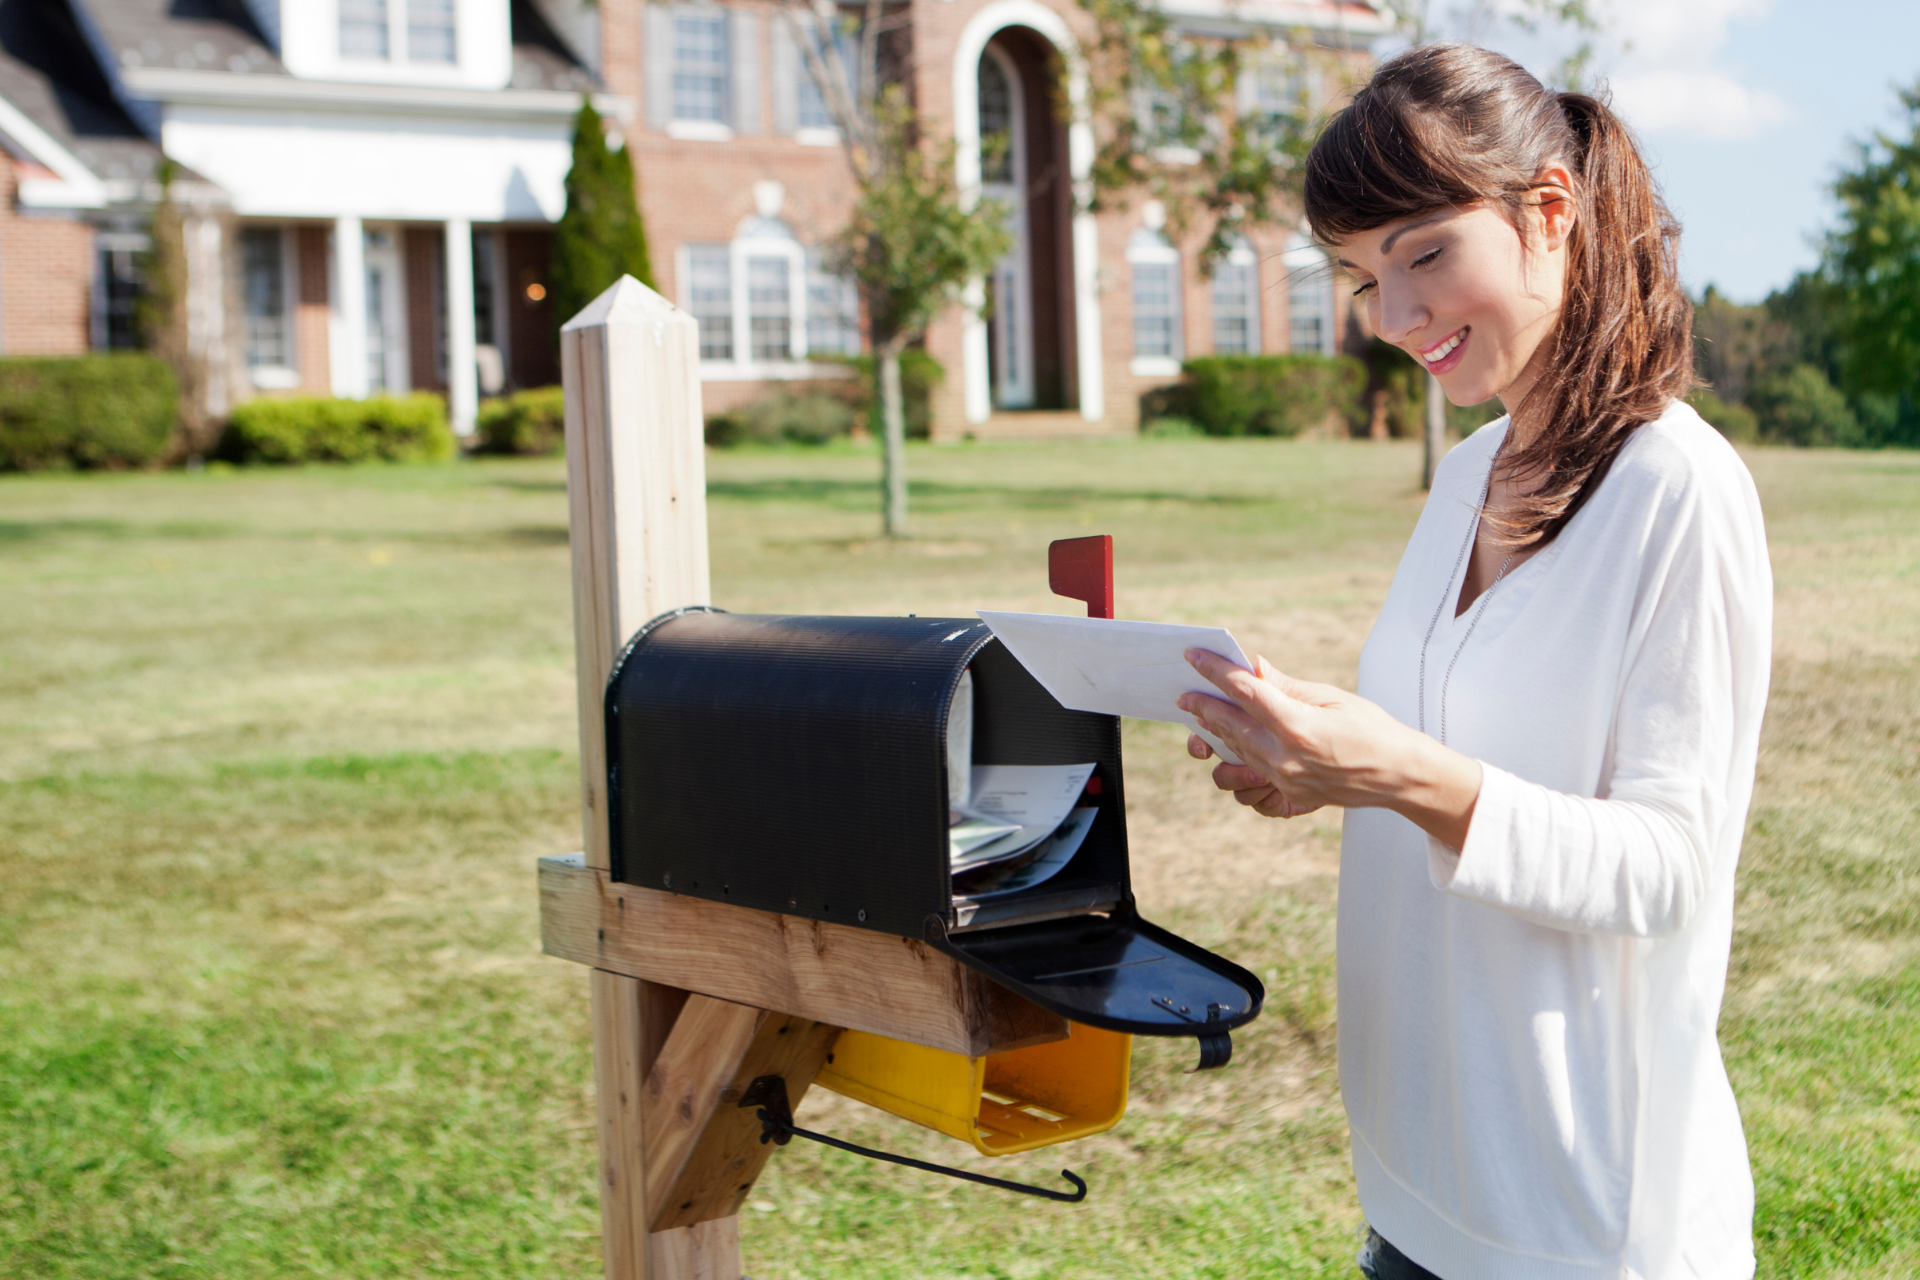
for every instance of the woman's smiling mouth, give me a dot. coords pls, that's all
(1442, 356)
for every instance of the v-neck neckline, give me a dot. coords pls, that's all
(1458, 580)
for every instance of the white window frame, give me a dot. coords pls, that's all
(1147, 247)
(453, 15)
(1308, 268)
(701, 130)
(395, 38)
(399, 19)
(817, 275)
(1240, 257)
(274, 377)
(759, 237)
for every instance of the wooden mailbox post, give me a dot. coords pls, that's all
(694, 999)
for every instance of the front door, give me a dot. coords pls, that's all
(1003, 177)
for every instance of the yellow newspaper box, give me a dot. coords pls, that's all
(1002, 1103)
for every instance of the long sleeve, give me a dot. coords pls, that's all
(1639, 858)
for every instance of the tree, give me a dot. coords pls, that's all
(601, 236)
(1735, 346)
(160, 314)
(1213, 126)
(912, 243)
(1873, 265)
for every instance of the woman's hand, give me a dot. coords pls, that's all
(1305, 745)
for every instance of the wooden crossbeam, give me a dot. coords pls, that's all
(705, 1148)
(836, 974)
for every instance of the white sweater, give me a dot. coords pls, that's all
(1527, 1026)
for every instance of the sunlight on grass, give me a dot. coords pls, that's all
(278, 750)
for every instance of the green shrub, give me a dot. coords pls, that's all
(1801, 407)
(1169, 427)
(84, 411)
(530, 424)
(1400, 377)
(920, 373)
(1734, 421)
(296, 429)
(1271, 395)
(810, 417)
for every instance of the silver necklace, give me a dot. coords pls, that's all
(1446, 596)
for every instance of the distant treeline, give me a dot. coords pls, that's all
(1834, 358)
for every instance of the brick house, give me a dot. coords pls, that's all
(370, 186)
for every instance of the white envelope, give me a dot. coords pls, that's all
(1117, 667)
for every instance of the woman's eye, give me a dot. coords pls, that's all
(1425, 259)
(1362, 287)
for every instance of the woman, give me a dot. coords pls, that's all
(1550, 758)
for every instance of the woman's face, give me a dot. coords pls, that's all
(1465, 294)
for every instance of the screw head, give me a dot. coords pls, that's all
(667, 879)
(863, 913)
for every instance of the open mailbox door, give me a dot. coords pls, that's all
(1115, 971)
(800, 765)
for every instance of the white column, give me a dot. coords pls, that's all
(348, 347)
(463, 375)
(975, 375)
(207, 310)
(1086, 316)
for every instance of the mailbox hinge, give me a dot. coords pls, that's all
(769, 1093)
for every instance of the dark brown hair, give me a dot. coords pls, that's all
(1451, 125)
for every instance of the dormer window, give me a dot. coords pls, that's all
(363, 29)
(430, 31)
(398, 31)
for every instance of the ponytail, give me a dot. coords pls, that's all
(1446, 125)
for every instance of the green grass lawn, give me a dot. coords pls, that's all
(278, 751)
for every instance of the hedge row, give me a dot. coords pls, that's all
(297, 429)
(1263, 395)
(527, 424)
(94, 411)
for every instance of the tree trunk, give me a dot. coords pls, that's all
(1436, 432)
(893, 437)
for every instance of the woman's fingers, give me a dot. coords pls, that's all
(1265, 697)
(1198, 748)
(1237, 777)
(1224, 720)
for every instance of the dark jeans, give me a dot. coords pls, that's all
(1384, 1262)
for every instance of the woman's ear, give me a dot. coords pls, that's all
(1552, 196)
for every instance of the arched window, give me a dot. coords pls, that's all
(997, 110)
(1236, 302)
(764, 302)
(1309, 297)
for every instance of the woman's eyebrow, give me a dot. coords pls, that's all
(1386, 246)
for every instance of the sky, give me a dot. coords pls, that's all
(1747, 110)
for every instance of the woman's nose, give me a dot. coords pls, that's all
(1401, 316)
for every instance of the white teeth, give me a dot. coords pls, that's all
(1445, 349)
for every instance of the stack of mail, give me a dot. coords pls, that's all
(1019, 826)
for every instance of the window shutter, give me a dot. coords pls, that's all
(746, 71)
(787, 68)
(658, 60)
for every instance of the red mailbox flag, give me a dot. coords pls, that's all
(1082, 569)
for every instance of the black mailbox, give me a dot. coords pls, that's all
(799, 765)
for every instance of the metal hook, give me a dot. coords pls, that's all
(769, 1093)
